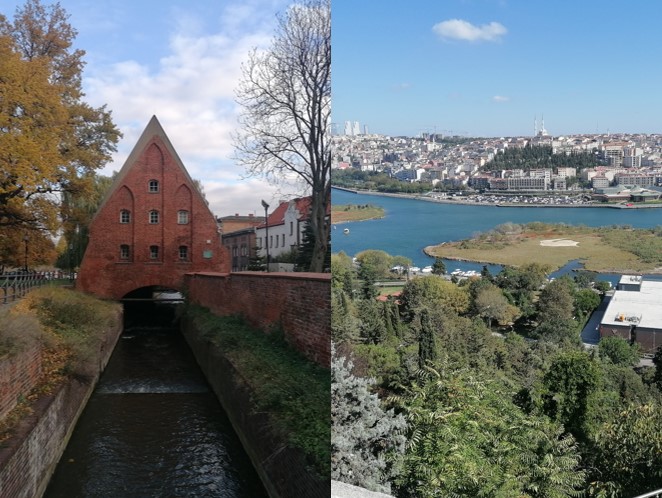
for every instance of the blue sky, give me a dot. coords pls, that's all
(179, 60)
(489, 67)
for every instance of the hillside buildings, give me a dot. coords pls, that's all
(457, 162)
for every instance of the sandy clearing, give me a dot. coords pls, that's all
(558, 243)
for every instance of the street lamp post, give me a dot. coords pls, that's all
(26, 239)
(266, 238)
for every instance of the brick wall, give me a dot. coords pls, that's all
(19, 373)
(298, 302)
(29, 457)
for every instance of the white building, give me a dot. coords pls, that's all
(285, 226)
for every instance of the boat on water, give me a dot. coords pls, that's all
(346, 231)
(465, 274)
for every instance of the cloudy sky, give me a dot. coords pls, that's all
(179, 60)
(490, 67)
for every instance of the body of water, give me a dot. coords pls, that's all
(153, 428)
(411, 225)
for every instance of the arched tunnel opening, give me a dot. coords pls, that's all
(152, 307)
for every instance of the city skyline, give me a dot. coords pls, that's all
(489, 68)
(181, 62)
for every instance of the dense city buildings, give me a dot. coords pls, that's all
(458, 162)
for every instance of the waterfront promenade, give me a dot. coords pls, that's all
(575, 200)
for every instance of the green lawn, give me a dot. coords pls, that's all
(353, 212)
(615, 249)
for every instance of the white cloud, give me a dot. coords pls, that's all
(458, 29)
(192, 92)
(402, 86)
(500, 98)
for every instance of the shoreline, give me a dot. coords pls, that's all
(419, 197)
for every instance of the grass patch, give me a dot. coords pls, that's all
(293, 390)
(604, 249)
(72, 327)
(354, 212)
(68, 325)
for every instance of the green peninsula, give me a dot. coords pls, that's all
(355, 212)
(613, 249)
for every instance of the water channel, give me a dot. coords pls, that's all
(152, 427)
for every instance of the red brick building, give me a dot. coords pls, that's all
(153, 226)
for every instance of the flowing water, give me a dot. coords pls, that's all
(153, 428)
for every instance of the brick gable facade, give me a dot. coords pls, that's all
(153, 226)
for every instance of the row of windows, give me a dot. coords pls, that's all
(278, 238)
(154, 217)
(154, 252)
(243, 249)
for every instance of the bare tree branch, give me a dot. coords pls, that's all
(285, 94)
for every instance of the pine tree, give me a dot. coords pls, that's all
(366, 440)
(427, 348)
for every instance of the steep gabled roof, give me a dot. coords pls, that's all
(153, 129)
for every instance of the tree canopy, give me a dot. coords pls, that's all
(51, 141)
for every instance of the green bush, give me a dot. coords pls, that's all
(293, 390)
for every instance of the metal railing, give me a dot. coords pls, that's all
(651, 494)
(13, 287)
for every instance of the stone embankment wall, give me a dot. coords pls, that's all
(281, 467)
(29, 457)
(19, 373)
(300, 303)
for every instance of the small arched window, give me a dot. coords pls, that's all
(182, 217)
(153, 217)
(125, 216)
(153, 252)
(153, 186)
(183, 253)
(125, 252)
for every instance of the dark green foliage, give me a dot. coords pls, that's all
(657, 361)
(439, 267)
(368, 276)
(497, 415)
(305, 251)
(468, 439)
(618, 351)
(571, 383)
(344, 324)
(372, 326)
(382, 182)
(427, 348)
(586, 300)
(256, 262)
(486, 274)
(564, 332)
(584, 279)
(556, 301)
(629, 453)
(539, 156)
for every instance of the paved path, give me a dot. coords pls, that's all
(342, 490)
(591, 334)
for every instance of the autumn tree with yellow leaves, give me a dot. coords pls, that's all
(51, 141)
